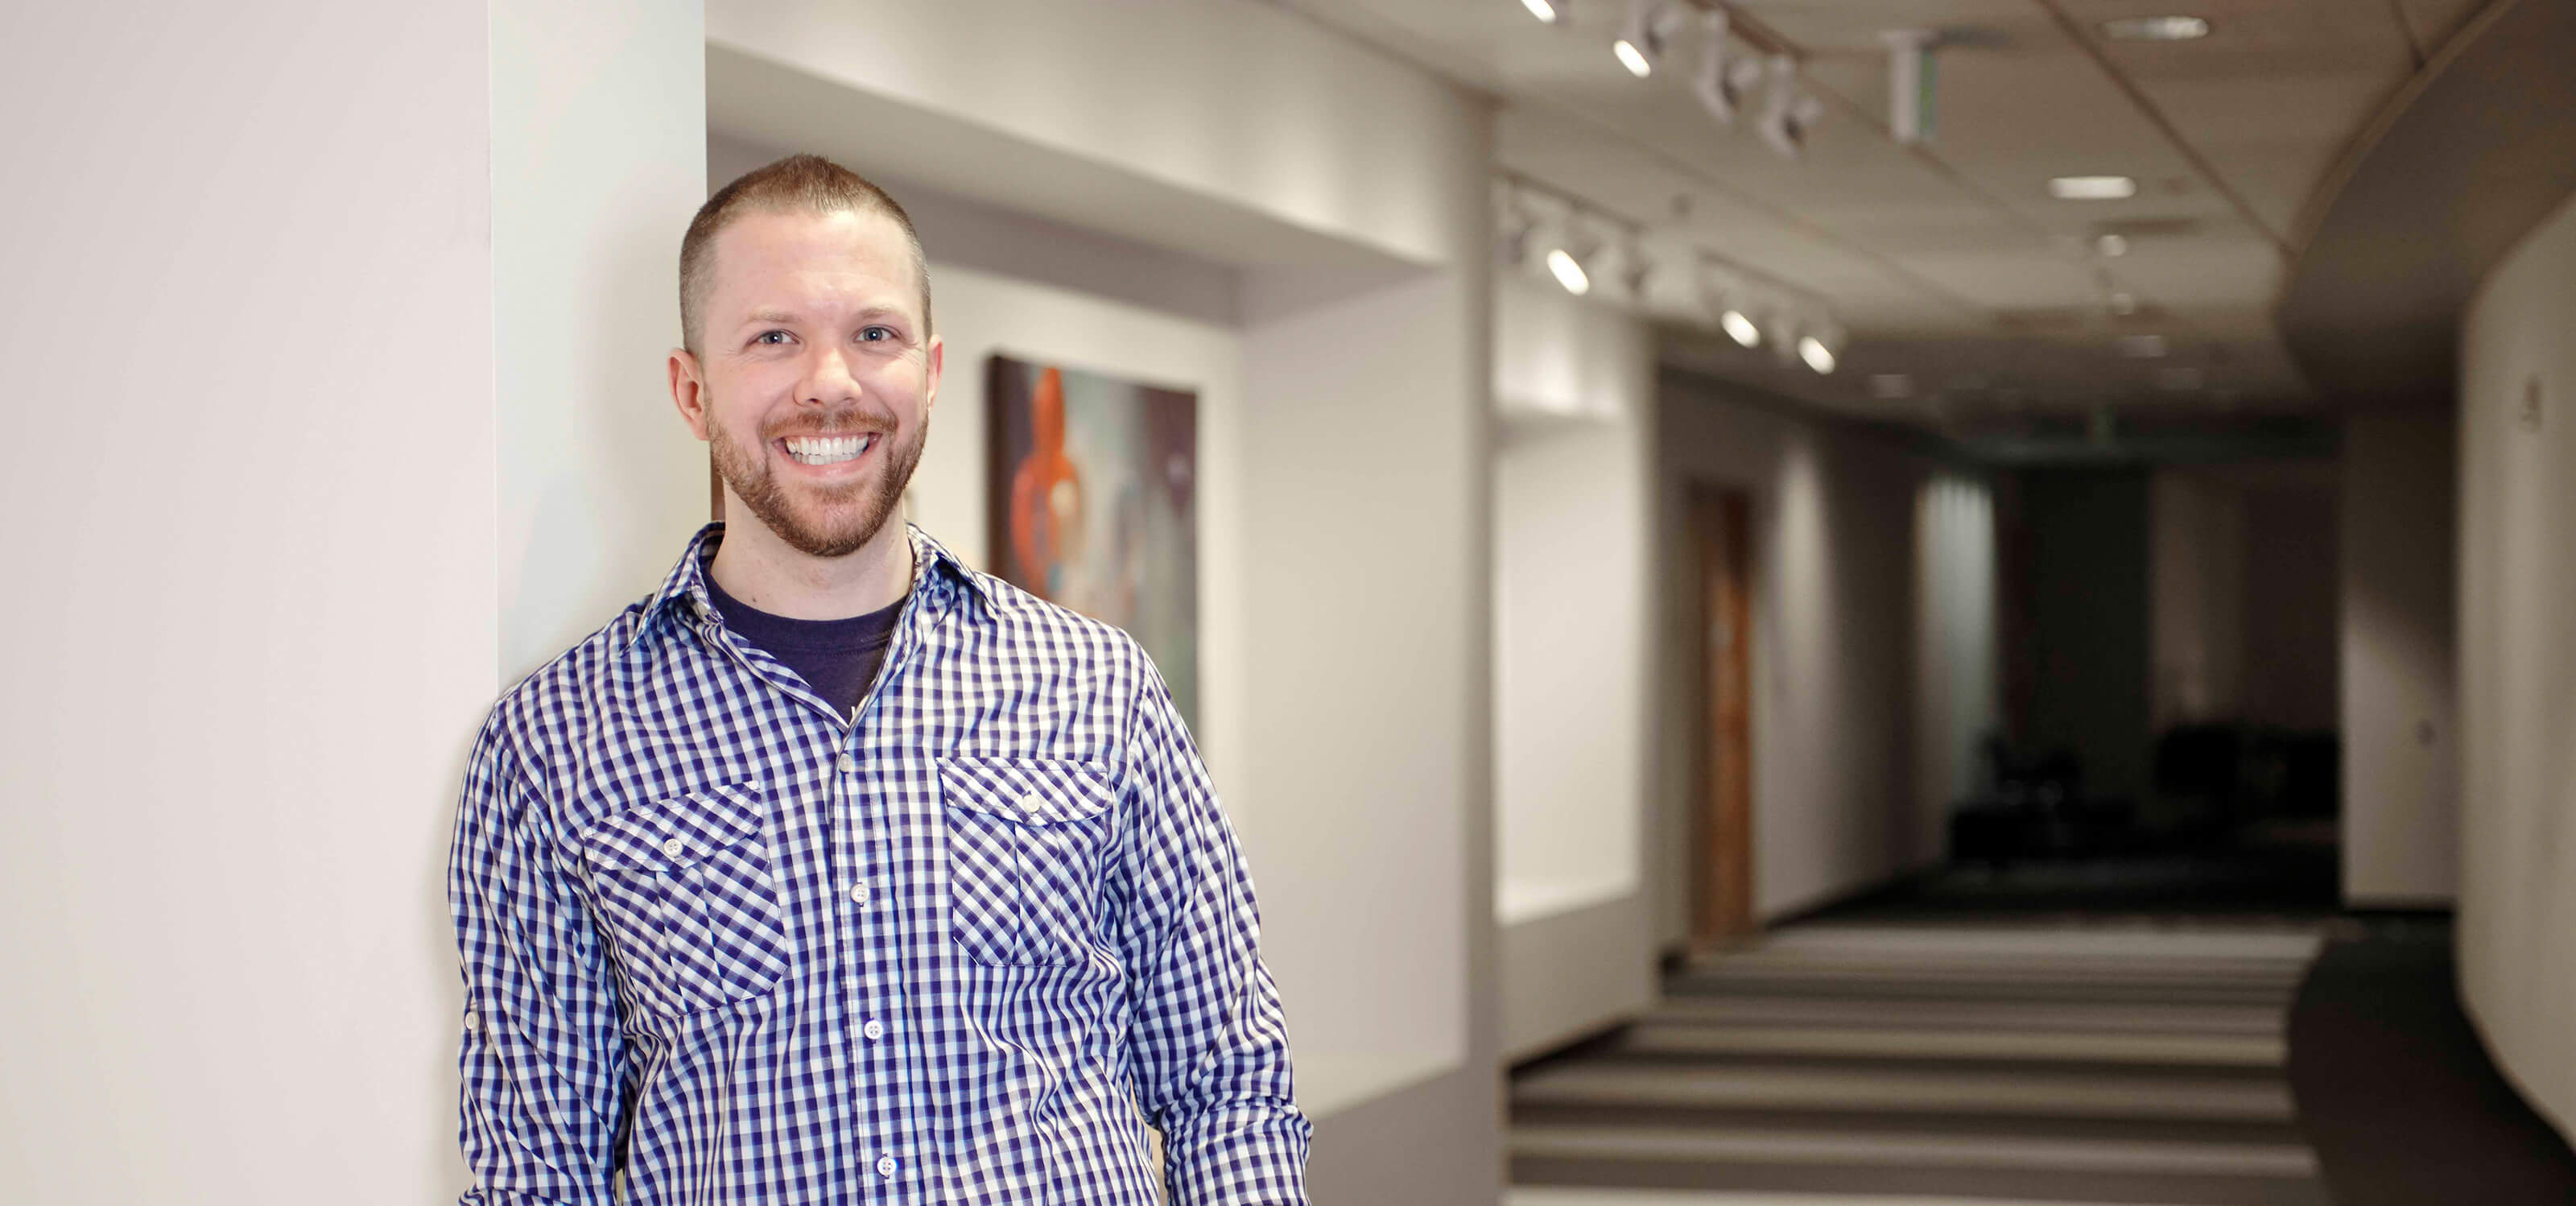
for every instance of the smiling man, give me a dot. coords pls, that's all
(835, 871)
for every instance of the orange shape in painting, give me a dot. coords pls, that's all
(1046, 495)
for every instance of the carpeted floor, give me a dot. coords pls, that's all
(2395, 1089)
(2106, 1062)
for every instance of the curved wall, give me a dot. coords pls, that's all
(2517, 911)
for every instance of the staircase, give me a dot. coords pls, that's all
(2089, 1064)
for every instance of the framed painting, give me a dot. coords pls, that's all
(1093, 499)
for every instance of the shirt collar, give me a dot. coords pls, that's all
(686, 585)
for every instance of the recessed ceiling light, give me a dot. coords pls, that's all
(1541, 9)
(1816, 354)
(1740, 328)
(2112, 245)
(2092, 188)
(1569, 272)
(2156, 29)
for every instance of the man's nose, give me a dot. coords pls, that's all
(828, 379)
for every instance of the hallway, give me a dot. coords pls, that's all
(2112, 1061)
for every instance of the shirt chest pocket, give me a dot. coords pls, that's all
(1025, 841)
(686, 888)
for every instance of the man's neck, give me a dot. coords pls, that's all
(752, 564)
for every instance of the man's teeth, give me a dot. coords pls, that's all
(816, 450)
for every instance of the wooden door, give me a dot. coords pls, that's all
(1723, 853)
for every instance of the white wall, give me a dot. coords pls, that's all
(1352, 190)
(2517, 920)
(1243, 106)
(2401, 842)
(1367, 592)
(598, 163)
(2196, 605)
(274, 564)
(1571, 623)
(1833, 566)
(1958, 698)
(1573, 494)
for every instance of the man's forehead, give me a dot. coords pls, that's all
(774, 248)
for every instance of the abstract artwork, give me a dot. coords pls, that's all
(1093, 488)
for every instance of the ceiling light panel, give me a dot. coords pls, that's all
(2155, 29)
(1541, 9)
(2092, 188)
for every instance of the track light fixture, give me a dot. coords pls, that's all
(1816, 353)
(1572, 254)
(1636, 269)
(1726, 77)
(1910, 70)
(1578, 245)
(1569, 272)
(1791, 113)
(1550, 11)
(1724, 298)
(1642, 39)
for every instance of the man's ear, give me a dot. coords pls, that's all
(689, 391)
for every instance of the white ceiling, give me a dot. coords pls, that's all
(1950, 262)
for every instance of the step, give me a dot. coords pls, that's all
(1884, 1089)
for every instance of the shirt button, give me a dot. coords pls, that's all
(848, 764)
(885, 1166)
(874, 1030)
(1031, 802)
(675, 847)
(473, 1021)
(859, 892)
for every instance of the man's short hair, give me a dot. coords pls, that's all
(808, 183)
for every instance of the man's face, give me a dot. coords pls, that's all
(814, 377)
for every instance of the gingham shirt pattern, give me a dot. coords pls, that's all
(723, 942)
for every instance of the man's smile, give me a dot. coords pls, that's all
(827, 450)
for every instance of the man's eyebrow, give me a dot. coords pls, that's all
(788, 317)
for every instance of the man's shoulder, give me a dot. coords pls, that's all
(555, 695)
(1051, 630)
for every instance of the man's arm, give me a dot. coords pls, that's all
(1211, 1046)
(542, 1067)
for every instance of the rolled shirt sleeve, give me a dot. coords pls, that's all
(1210, 1040)
(542, 1070)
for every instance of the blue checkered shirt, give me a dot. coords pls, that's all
(725, 943)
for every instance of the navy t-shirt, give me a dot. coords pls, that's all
(837, 658)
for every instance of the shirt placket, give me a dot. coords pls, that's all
(869, 826)
(874, 893)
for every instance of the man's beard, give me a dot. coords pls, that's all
(849, 517)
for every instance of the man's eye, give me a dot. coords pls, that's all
(772, 337)
(875, 334)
